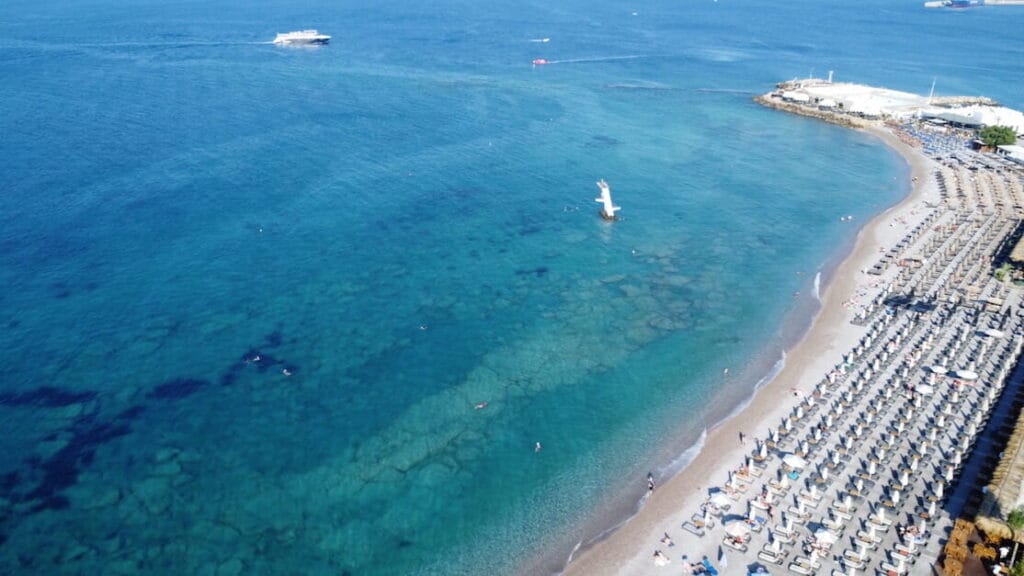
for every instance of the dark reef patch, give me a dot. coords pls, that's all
(61, 470)
(178, 388)
(539, 271)
(45, 396)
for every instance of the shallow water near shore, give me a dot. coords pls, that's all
(252, 295)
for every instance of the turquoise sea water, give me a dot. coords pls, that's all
(404, 221)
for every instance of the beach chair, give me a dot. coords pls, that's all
(694, 529)
(730, 543)
(800, 569)
(771, 557)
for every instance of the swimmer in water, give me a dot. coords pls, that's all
(480, 406)
(537, 447)
(286, 372)
(423, 326)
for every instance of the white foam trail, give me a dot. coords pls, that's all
(684, 459)
(776, 369)
(544, 40)
(817, 286)
(572, 554)
(599, 59)
(679, 463)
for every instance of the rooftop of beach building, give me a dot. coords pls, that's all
(887, 103)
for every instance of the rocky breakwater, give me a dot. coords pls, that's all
(774, 100)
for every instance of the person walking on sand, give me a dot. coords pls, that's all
(743, 439)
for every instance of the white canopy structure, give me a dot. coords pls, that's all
(794, 461)
(979, 116)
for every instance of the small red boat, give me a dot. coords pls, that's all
(540, 62)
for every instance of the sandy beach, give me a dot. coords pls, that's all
(628, 550)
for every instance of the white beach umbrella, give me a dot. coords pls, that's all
(719, 499)
(925, 389)
(966, 374)
(737, 529)
(825, 537)
(794, 461)
(938, 369)
(993, 332)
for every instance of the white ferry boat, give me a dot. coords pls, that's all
(302, 37)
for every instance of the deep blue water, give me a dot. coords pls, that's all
(404, 222)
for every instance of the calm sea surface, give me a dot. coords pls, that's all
(249, 296)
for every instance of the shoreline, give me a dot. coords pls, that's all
(827, 336)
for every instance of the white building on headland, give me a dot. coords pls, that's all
(978, 116)
(871, 102)
(1012, 152)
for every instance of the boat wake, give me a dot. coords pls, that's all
(725, 91)
(588, 60)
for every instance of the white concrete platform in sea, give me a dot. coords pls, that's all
(874, 102)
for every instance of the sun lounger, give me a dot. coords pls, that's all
(800, 569)
(693, 529)
(888, 568)
(783, 538)
(772, 557)
(698, 521)
(853, 563)
(730, 543)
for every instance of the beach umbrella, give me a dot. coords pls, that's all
(737, 529)
(825, 537)
(937, 369)
(967, 374)
(993, 332)
(719, 499)
(794, 461)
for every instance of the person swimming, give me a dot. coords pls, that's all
(480, 406)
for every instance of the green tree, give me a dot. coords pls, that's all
(1017, 569)
(998, 135)
(1015, 520)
